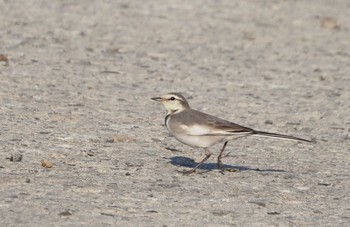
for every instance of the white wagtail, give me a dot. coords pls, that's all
(198, 129)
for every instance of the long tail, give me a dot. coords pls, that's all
(276, 135)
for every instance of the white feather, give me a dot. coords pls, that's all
(199, 130)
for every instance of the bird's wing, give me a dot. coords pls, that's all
(212, 126)
(229, 127)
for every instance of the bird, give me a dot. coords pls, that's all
(201, 130)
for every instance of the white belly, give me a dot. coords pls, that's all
(199, 141)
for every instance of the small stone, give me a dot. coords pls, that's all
(157, 56)
(259, 203)
(152, 211)
(269, 122)
(273, 213)
(120, 139)
(322, 78)
(65, 213)
(106, 214)
(16, 158)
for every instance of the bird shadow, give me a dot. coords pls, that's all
(190, 163)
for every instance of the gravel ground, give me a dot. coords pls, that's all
(83, 145)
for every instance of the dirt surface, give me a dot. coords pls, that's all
(82, 144)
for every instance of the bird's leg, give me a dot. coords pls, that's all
(220, 165)
(207, 155)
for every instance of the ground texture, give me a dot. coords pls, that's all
(76, 79)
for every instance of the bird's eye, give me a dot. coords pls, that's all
(172, 98)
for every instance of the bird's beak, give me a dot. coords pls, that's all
(158, 99)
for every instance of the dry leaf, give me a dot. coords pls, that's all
(46, 164)
(4, 59)
(329, 23)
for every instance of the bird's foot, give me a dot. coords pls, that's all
(187, 171)
(231, 170)
(223, 169)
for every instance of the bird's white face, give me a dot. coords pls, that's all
(172, 102)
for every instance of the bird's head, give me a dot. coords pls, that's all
(173, 102)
